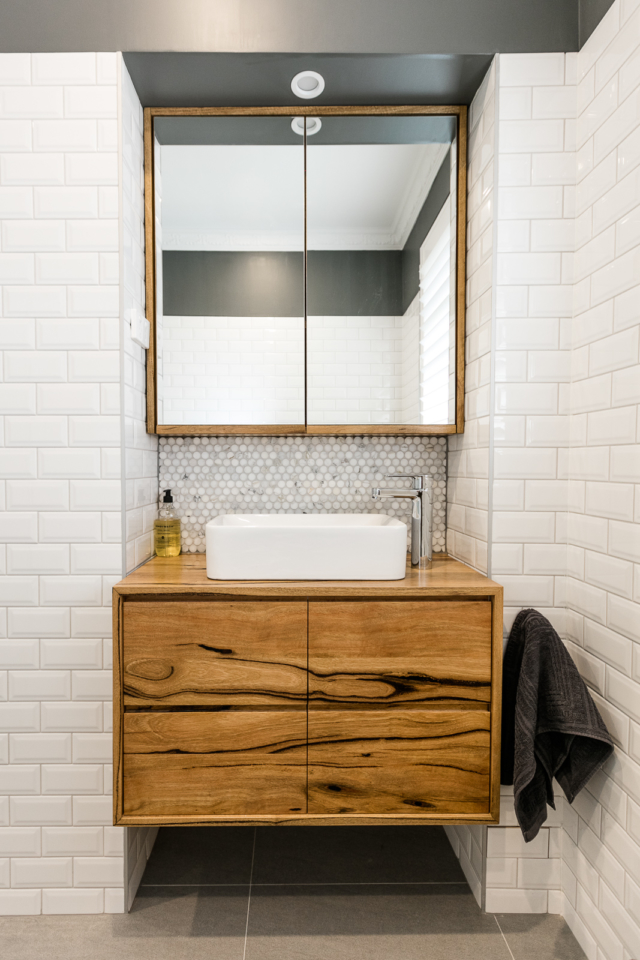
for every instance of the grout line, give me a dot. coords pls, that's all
(246, 928)
(328, 883)
(503, 937)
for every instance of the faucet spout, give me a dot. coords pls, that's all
(421, 514)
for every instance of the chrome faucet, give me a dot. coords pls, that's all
(421, 513)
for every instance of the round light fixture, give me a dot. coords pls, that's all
(313, 125)
(307, 84)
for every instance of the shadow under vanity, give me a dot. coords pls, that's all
(355, 702)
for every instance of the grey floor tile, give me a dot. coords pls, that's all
(200, 855)
(539, 937)
(427, 922)
(354, 855)
(190, 924)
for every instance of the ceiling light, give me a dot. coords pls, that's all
(307, 84)
(313, 125)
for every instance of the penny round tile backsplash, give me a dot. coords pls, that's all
(210, 476)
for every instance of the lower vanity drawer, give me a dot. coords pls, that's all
(402, 761)
(218, 763)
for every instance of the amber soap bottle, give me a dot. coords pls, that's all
(166, 529)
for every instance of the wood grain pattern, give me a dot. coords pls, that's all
(496, 702)
(232, 737)
(222, 429)
(410, 763)
(117, 605)
(381, 430)
(306, 819)
(198, 786)
(150, 269)
(186, 576)
(388, 761)
(395, 652)
(197, 653)
(316, 110)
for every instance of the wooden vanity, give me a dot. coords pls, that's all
(262, 702)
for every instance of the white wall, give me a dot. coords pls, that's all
(72, 401)
(468, 456)
(468, 461)
(530, 405)
(61, 480)
(232, 370)
(139, 449)
(564, 524)
(601, 840)
(250, 369)
(409, 337)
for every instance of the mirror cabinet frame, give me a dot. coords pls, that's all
(304, 429)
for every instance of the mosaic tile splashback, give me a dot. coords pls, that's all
(210, 476)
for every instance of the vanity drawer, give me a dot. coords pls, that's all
(217, 763)
(397, 760)
(400, 652)
(214, 652)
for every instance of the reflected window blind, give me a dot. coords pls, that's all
(435, 292)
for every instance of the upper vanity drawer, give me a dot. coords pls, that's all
(214, 652)
(400, 651)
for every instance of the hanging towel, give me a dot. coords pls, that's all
(550, 725)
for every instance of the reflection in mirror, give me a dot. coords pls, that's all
(381, 277)
(229, 228)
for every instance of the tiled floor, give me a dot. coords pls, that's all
(307, 893)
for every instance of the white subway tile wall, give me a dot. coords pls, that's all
(233, 369)
(250, 369)
(59, 478)
(468, 453)
(566, 453)
(210, 476)
(600, 852)
(139, 450)
(70, 168)
(468, 456)
(534, 282)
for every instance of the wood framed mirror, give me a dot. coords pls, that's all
(305, 270)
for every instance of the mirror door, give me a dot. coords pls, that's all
(229, 212)
(381, 292)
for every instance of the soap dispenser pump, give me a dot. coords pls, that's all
(166, 529)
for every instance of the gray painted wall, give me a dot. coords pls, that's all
(243, 79)
(339, 26)
(590, 13)
(340, 283)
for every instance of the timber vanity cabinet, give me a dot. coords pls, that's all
(306, 702)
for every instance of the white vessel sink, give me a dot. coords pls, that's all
(345, 546)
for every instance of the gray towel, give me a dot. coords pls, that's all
(550, 725)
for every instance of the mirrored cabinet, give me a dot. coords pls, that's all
(305, 274)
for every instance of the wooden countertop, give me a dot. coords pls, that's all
(186, 574)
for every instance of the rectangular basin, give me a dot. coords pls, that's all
(302, 546)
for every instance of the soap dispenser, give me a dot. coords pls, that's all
(166, 529)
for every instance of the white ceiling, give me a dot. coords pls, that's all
(359, 197)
